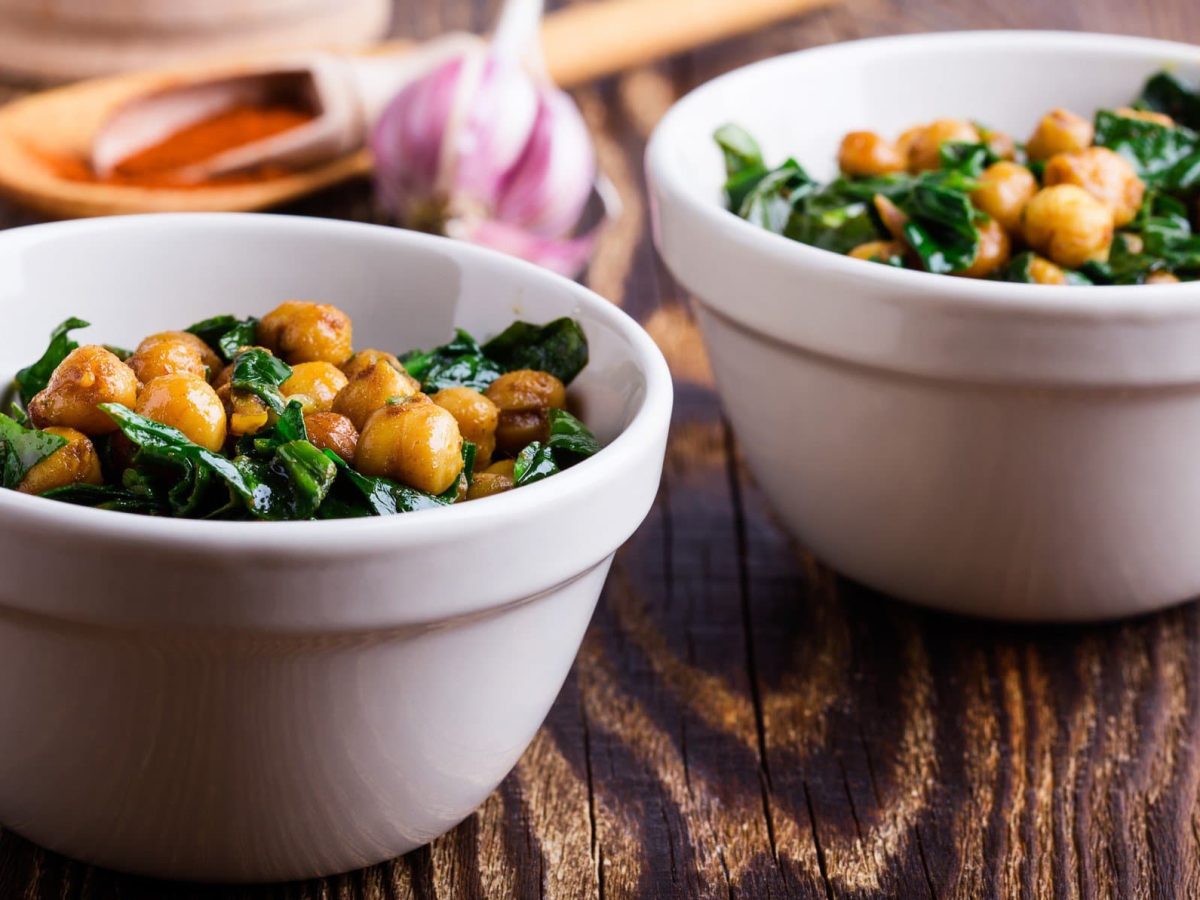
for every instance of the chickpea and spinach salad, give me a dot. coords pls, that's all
(1112, 200)
(279, 419)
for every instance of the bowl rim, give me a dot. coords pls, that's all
(1058, 302)
(331, 536)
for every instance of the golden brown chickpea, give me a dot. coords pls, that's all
(414, 442)
(925, 151)
(524, 398)
(300, 332)
(477, 418)
(502, 467)
(319, 382)
(868, 153)
(1059, 131)
(994, 249)
(1105, 175)
(211, 360)
(1146, 115)
(907, 138)
(248, 413)
(159, 355)
(187, 403)
(330, 431)
(1069, 225)
(364, 359)
(1000, 143)
(1042, 271)
(1162, 277)
(75, 463)
(370, 390)
(1004, 189)
(878, 251)
(485, 485)
(89, 376)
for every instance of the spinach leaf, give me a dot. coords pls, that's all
(105, 496)
(21, 449)
(368, 495)
(570, 442)
(463, 482)
(770, 202)
(833, 222)
(461, 362)
(559, 347)
(942, 227)
(308, 474)
(288, 427)
(34, 378)
(1165, 93)
(1162, 155)
(258, 372)
(965, 158)
(226, 334)
(744, 166)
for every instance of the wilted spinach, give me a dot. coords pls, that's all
(461, 362)
(33, 378)
(258, 372)
(559, 347)
(21, 449)
(570, 442)
(226, 334)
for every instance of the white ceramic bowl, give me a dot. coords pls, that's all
(248, 701)
(1016, 451)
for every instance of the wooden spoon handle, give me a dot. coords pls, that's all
(589, 40)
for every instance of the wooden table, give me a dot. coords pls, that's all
(743, 723)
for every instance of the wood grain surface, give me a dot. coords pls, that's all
(743, 723)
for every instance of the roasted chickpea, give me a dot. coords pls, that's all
(477, 418)
(1162, 276)
(524, 398)
(330, 431)
(187, 403)
(1059, 131)
(211, 359)
(925, 150)
(1042, 271)
(868, 153)
(994, 249)
(1004, 189)
(1069, 225)
(371, 389)
(485, 485)
(1000, 143)
(75, 463)
(364, 359)
(300, 332)
(878, 251)
(1146, 115)
(162, 355)
(907, 138)
(414, 442)
(1105, 175)
(502, 467)
(89, 376)
(248, 413)
(319, 382)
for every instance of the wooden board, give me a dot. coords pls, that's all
(742, 723)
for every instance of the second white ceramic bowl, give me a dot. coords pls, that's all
(1004, 450)
(243, 701)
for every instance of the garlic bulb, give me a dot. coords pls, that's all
(486, 149)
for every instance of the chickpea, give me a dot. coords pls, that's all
(1105, 175)
(925, 151)
(370, 390)
(160, 355)
(318, 382)
(994, 249)
(477, 418)
(300, 331)
(75, 463)
(485, 485)
(1146, 115)
(364, 359)
(1069, 225)
(502, 467)
(187, 403)
(1000, 143)
(1059, 131)
(524, 398)
(867, 153)
(248, 413)
(89, 376)
(878, 251)
(1004, 189)
(211, 360)
(1042, 271)
(330, 431)
(1162, 276)
(414, 442)
(908, 137)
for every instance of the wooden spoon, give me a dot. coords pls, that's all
(45, 136)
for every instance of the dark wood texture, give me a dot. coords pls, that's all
(741, 722)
